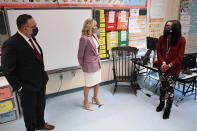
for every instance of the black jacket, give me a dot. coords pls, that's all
(21, 66)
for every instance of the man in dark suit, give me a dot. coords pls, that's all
(23, 66)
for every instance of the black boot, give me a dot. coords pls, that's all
(160, 106)
(166, 113)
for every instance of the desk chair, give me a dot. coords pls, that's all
(152, 44)
(123, 68)
(189, 87)
(189, 62)
(145, 60)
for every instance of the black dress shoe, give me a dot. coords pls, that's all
(46, 127)
(160, 106)
(166, 113)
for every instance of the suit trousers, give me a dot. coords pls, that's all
(33, 105)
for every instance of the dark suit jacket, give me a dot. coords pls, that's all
(21, 66)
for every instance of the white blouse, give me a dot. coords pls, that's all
(96, 43)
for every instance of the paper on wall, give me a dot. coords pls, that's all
(112, 35)
(111, 16)
(123, 35)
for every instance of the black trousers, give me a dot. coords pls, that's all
(33, 105)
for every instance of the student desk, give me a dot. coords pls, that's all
(188, 81)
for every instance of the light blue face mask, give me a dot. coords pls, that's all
(34, 31)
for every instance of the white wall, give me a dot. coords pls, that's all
(71, 81)
(171, 11)
(74, 79)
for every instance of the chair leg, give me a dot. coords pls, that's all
(195, 89)
(115, 87)
(131, 87)
(135, 87)
(156, 88)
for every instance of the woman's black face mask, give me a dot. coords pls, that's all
(167, 31)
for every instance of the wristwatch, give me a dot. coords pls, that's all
(170, 65)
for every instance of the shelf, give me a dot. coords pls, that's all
(11, 113)
(3, 82)
(12, 97)
(14, 109)
(8, 116)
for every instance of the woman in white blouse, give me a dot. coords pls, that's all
(88, 57)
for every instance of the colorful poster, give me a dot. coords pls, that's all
(112, 39)
(185, 22)
(102, 39)
(134, 12)
(184, 8)
(157, 14)
(123, 17)
(155, 30)
(135, 2)
(123, 38)
(111, 20)
(27, 2)
(123, 35)
(188, 19)
(111, 17)
(193, 15)
(137, 31)
(79, 3)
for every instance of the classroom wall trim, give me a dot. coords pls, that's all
(52, 95)
(82, 3)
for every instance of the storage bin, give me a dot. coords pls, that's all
(6, 106)
(5, 93)
(9, 116)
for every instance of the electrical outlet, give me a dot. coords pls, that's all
(73, 72)
(61, 76)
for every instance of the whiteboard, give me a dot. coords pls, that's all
(59, 33)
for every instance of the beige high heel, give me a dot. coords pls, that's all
(96, 101)
(87, 106)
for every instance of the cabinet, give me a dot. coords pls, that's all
(0, 58)
(8, 102)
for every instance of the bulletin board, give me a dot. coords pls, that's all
(188, 19)
(121, 27)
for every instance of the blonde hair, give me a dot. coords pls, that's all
(87, 26)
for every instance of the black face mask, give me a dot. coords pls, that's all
(167, 31)
(34, 32)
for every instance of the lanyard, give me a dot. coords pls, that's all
(168, 48)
